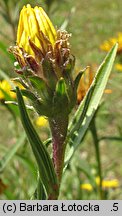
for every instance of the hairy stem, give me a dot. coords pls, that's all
(59, 131)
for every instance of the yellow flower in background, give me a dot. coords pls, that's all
(106, 184)
(34, 24)
(108, 44)
(85, 83)
(5, 86)
(86, 186)
(41, 121)
(114, 183)
(118, 67)
(107, 91)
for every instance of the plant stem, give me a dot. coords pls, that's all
(59, 131)
(98, 158)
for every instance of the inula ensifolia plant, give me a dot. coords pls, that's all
(45, 66)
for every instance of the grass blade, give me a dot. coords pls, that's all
(11, 152)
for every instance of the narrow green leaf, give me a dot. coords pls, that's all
(46, 169)
(83, 114)
(97, 87)
(96, 90)
(11, 152)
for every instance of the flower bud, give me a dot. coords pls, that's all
(44, 52)
(33, 24)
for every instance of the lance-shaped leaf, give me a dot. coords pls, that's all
(45, 165)
(88, 107)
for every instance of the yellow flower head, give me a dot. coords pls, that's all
(34, 24)
(87, 187)
(114, 183)
(106, 184)
(44, 58)
(41, 121)
(6, 87)
(38, 41)
(118, 67)
(107, 91)
(108, 44)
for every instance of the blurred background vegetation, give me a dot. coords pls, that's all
(90, 22)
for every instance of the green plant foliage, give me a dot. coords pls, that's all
(11, 152)
(88, 107)
(22, 177)
(46, 169)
